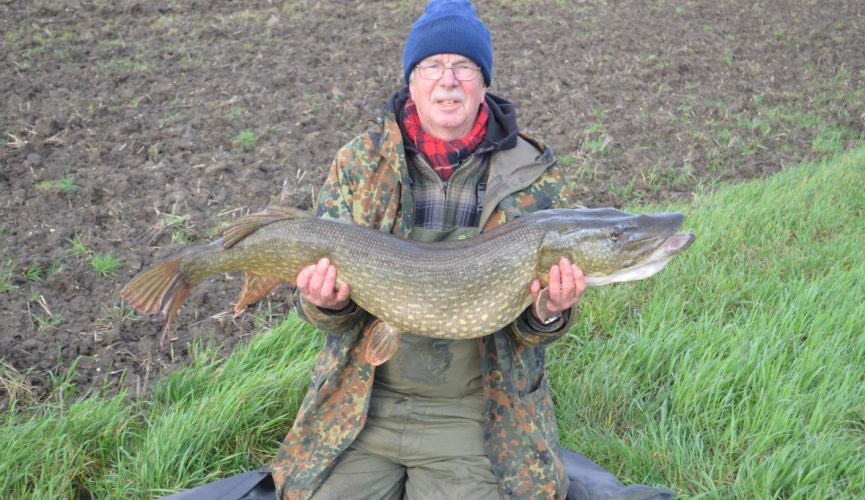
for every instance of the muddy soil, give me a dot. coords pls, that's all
(133, 128)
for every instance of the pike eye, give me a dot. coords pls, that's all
(616, 233)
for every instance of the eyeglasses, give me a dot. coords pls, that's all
(462, 72)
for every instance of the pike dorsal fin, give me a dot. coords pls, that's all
(249, 224)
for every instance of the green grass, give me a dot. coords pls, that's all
(186, 433)
(65, 185)
(15, 384)
(46, 321)
(236, 111)
(180, 227)
(120, 311)
(34, 272)
(169, 118)
(596, 142)
(104, 264)
(129, 65)
(246, 140)
(735, 373)
(79, 246)
(6, 273)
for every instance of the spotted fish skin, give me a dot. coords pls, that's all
(452, 289)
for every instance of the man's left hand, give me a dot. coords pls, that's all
(566, 287)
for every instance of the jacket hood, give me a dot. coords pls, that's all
(502, 129)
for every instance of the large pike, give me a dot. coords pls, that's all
(454, 289)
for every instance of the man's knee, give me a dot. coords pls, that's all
(362, 475)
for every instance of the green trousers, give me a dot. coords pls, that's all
(415, 447)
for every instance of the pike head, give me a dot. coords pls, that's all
(611, 246)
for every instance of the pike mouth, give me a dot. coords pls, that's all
(648, 266)
(675, 244)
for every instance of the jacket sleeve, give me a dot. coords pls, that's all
(531, 332)
(326, 320)
(548, 191)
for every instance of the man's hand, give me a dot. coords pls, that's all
(317, 285)
(566, 287)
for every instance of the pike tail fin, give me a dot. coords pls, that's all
(161, 288)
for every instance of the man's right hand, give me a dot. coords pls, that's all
(317, 285)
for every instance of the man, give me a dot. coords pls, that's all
(442, 418)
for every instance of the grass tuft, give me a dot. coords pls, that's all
(179, 226)
(79, 247)
(65, 185)
(6, 273)
(246, 140)
(105, 264)
(34, 272)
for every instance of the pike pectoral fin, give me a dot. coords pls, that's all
(255, 287)
(383, 342)
(541, 304)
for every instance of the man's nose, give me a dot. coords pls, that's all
(449, 77)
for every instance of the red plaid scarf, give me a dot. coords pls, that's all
(443, 155)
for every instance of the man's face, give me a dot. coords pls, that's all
(447, 107)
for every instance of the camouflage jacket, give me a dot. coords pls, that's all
(369, 185)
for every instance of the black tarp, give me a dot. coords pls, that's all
(589, 481)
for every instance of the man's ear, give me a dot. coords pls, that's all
(411, 88)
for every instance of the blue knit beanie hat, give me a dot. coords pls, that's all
(449, 27)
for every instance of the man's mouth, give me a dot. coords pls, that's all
(448, 98)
